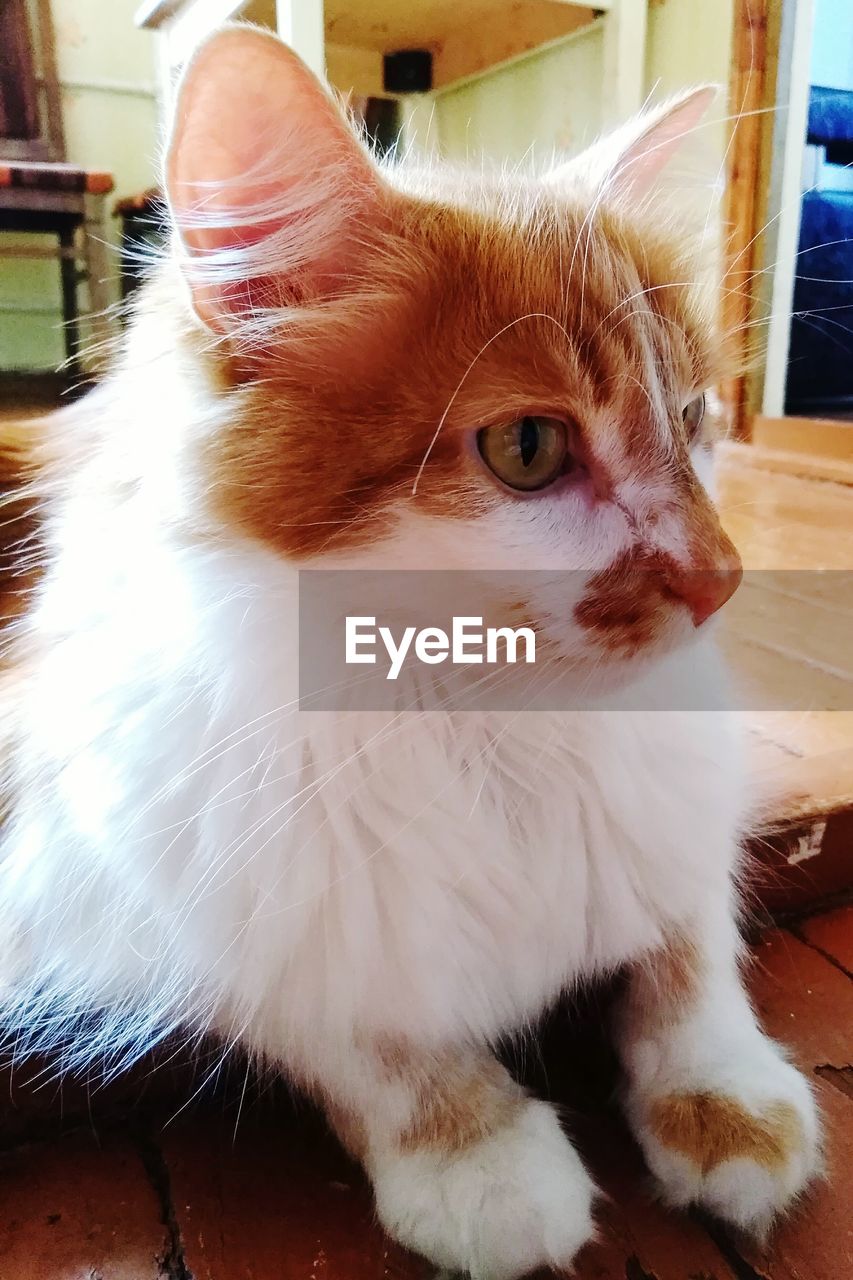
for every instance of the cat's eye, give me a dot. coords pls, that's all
(527, 454)
(694, 412)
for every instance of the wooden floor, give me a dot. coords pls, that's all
(788, 632)
(245, 1184)
(251, 1188)
(788, 635)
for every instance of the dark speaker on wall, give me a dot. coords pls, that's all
(408, 71)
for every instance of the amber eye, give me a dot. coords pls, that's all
(527, 454)
(694, 412)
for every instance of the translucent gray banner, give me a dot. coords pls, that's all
(558, 640)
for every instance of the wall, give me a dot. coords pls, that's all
(551, 99)
(107, 71)
(690, 42)
(543, 102)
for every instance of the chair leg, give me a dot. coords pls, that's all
(70, 310)
(99, 280)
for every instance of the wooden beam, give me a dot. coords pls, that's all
(300, 24)
(476, 46)
(751, 89)
(50, 81)
(192, 21)
(623, 88)
(355, 70)
(153, 13)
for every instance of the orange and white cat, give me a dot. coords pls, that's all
(362, 367)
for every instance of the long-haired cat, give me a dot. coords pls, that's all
(349, 366)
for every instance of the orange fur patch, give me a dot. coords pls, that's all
(629, 604)
(457, 1099)
(625, 607)
(19, 521)
(664, 985)
(459, 1105)
(711, 1128)
(676, 973)
(464, 316)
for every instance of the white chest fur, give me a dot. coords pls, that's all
(189, 841)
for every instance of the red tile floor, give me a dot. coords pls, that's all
(246, 1185)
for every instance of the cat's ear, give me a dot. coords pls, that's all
(266, 182)
(628, 161)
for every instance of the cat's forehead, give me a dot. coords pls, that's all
(551, 277)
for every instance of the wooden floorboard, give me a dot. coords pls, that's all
(278, 1202)
(788, 638)
(638, 1237)
(832, 934)
(807, 1001)
(283, 1203)
(80, 1209)
(254, 1188)
(817, 1241)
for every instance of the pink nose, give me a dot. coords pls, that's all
(704, 591)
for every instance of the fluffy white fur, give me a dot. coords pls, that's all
(294, 867)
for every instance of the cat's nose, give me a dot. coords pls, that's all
(704, 591)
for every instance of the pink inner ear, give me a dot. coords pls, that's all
(647, 156)
(263, 175)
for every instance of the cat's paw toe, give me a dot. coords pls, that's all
(501, 1207)
(744, 1153)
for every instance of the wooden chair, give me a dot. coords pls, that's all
(39, 192)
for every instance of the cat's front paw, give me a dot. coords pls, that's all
(743, 1143)
(501, 1207)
